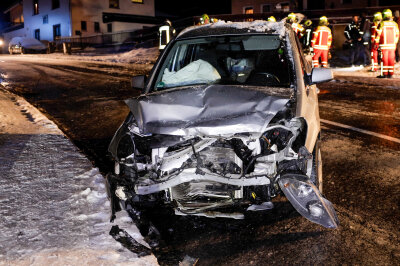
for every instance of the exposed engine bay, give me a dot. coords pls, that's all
(210, 175)
(201, 174)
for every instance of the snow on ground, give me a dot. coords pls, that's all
(135, 56)
(54, 206)
(366, 71)
(363, 75)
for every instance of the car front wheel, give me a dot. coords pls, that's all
(316, 173)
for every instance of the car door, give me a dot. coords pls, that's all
(307, 96)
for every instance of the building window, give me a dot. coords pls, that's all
(46, 19)
(83, 26)
(114, 3)
(265, 8)
(285, 7)
(55, 4)
(56, 31)
(109, 27)
(249, 10)
(35, 7)
(96, 27)
(137, 1)
(37, 34)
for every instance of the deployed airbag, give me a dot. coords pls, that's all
(197, 72)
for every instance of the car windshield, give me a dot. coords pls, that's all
(255, 60)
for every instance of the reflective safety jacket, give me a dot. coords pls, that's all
(307, 36)
(298, 29)
(322, 38)
(387, 35)
(352, 32)
(374, 32)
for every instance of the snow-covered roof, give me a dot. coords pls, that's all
(223, 27)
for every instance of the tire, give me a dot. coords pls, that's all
(316, 172)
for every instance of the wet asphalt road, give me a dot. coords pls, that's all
(361, 172)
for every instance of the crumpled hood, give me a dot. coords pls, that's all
(204, 111)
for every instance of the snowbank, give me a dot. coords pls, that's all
(30, 43)
(55, 209)
(135, 56)
(257, 25)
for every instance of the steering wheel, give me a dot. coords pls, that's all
(262, 78)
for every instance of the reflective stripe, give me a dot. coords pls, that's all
(387, 46)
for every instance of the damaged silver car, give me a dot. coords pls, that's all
(228, 119)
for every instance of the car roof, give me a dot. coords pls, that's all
(234, 28)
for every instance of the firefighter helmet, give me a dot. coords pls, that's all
(272, 19)
(387, 14)
(377, 16)
(308, 23)
(323, 21)
(292, 17)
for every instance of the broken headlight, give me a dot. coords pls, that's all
(308, 201)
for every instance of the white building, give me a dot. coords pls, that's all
(47, 19)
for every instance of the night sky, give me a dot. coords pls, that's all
(176, 7)
(184, 9)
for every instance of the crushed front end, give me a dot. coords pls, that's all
(216, 175)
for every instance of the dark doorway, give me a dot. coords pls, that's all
(37, 34)
(56, 31)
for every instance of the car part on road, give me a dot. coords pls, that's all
(129, 242)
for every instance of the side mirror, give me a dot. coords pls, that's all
(319, 75)
(138, 82)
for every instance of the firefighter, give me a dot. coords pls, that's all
(166, 33)
(321, 43)
(298, 29)
(272, 19)
(374, 46)
(387, 38)
(204, 19)
(307, 35)
(353, 35)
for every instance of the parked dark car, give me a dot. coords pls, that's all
(228, 119)
(23, 45)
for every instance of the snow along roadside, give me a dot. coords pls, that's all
(55, 207)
